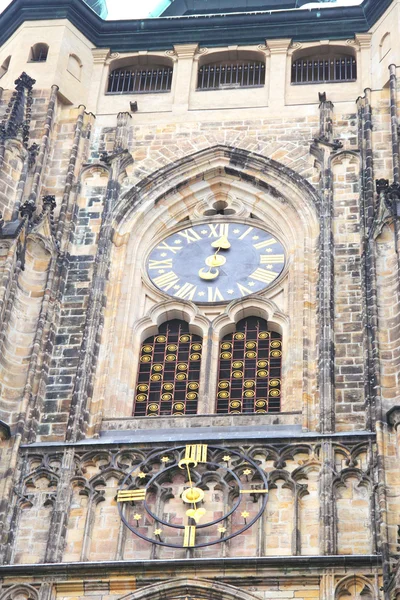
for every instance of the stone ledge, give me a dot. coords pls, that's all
(205, 422)
(283, 563)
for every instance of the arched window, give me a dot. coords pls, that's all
(140, 79)
(169, 372)
(38, 53)
(4, 66)
(249, 376)
(324, 64)
(231, 74)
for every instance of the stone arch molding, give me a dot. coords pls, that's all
(254, 306)
(198, 588)
(355, 587)
(248, 168)
(19, 592)
(168, 310)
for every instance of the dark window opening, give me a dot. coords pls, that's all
(39, 53)
(137, 80)
(249, 374)
(4, 67)
(169, 372)
(231, 75)
(324, 70)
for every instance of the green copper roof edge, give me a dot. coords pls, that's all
(217, 30)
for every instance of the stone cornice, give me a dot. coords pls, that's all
(211, 30)
(313, 564)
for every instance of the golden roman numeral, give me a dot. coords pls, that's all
(166, 281)
(189, 537)
(165, 246)
(196, 452)
(214, 295)
(159, 264)
(190, 235)
(186, 292)
(275, 258)
(264, 276)
(244, 290)
(219, 230)
(248, 230)
(254, 491)
(130, 495)
(260, 245)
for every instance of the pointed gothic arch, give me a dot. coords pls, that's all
(259, 171)
(257, 190)
(184, 586)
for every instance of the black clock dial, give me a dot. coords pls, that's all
(216, 262)
(167, 499)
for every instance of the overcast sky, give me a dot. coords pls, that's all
(118, 9)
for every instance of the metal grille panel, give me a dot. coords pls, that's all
(324, 71)
(140, 81)
(250, 362)
(169, 372)
(215, 77)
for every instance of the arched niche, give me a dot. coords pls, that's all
(20, 591)
(271, 196)
(75, 66)
(355, 587)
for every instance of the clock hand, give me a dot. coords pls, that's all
(222, 243)
(193, 495)
(215, 261)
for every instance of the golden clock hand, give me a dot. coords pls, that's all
(203, 274)
(222, 243)
(212, 262)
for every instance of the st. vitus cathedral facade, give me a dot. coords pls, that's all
(199, 302)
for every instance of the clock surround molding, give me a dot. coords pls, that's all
(169, 205)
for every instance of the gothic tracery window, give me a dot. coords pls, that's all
(169, 372)
(249, 374)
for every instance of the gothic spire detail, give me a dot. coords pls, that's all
(18, 114)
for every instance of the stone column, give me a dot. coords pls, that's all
(277, 71)
(183, 76)
(364, 59)
(100, 56)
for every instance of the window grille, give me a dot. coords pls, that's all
(140, 81)
(217, 77)
(250, 362)
(330, 70)
(169, 372)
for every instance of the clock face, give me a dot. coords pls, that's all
(193, 496)
(216, 262)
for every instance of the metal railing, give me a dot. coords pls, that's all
(217, 77)
(329, 70)
(140, 81)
